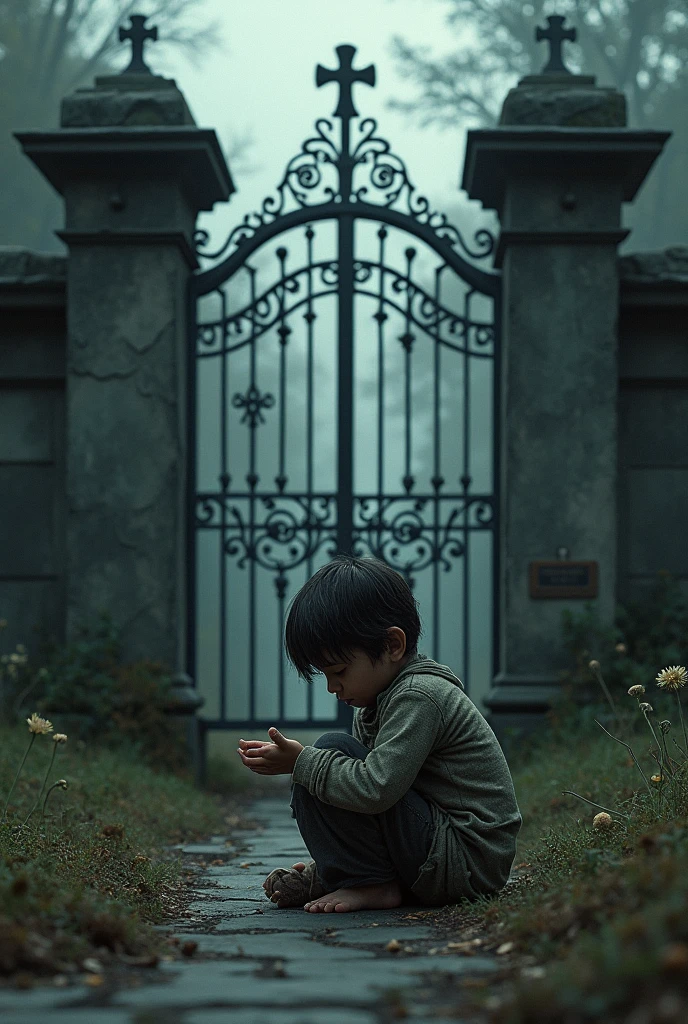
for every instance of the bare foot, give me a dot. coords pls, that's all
(368, 897)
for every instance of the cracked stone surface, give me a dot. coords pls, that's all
(257, 964)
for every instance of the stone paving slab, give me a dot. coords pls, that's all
(256, 963)
(317, 1016)
(103, 1016)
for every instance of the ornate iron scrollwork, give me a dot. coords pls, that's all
(334, 168)
(289, 531)
(405, 533)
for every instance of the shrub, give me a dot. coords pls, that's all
(97, 695)
(645, 633)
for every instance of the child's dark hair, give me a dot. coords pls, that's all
(348, 604)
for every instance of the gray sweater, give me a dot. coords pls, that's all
(425, 732)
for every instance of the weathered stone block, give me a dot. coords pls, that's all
(126, 101)
(19, 264)
(666, 265)
(657, 536)
(565, 103)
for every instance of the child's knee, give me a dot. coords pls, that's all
(342, 741)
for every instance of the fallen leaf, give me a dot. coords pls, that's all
(93, 980)
(505, 947)
(92, 965)
(465, 947)
(393, 946)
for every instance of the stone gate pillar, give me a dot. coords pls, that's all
(134, 171)
(557, 170)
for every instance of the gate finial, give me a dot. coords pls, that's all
(345, 76)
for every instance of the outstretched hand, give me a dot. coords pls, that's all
(276, 758)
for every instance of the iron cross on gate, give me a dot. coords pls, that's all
(345, 76)
(555, 36)
(138, 34)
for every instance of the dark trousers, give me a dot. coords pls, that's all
(352, 849)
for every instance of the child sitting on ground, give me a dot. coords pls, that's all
(418, 805)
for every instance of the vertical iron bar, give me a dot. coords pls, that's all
(281, 588)
(281, 480)
(496, 481)
(223, 527)
(466, 481)
(345, 369)
(191, 480)
(252, 514)
(381, 317)
(310, 317)
(436, 482)
(408, 343)
(283, 332)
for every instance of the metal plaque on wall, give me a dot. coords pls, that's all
(563, 579)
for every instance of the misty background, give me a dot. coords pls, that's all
(247, 70)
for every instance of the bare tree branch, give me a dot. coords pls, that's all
(613, 36)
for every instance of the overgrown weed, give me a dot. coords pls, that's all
(94, 873)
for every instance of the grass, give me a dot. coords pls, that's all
(96, 872)
(601, 913)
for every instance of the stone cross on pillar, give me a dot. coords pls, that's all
(135, 170)
(557, 171)
(555, 36)
(345, 76)
(138, 34)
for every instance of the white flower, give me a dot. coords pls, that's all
(602, 820)
(39, 725)
(672, 678)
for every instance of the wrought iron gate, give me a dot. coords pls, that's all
(334, 408)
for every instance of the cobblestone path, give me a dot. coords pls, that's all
(257, 964)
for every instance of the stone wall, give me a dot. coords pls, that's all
(32, 450)
(653, 419)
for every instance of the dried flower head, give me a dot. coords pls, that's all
(62, 783)
(620, 648)
(646, 708)
(60, 737)
(672, 678)
(636, 691)
(665, 725)
(594, 665)
(602, 820)
(655, 778)
(39, 725)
